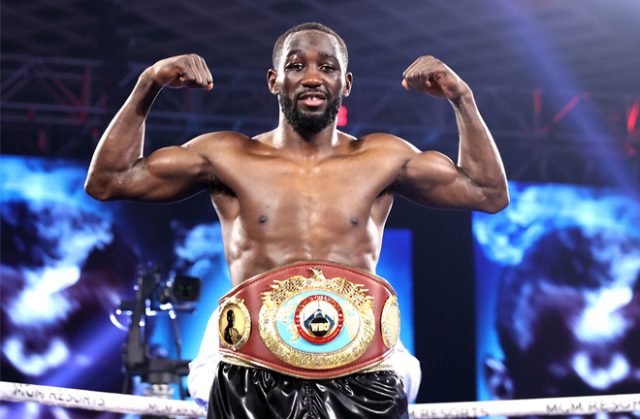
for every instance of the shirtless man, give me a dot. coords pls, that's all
(302, 192)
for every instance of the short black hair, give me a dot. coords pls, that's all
(308, 26)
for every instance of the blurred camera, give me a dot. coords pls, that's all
(179, 289)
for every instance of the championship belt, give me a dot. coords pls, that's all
(310, 320)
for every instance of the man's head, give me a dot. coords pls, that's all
(568, 318)
(231, 318)
(309, 76)
(309, 26)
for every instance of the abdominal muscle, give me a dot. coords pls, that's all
(254, 249)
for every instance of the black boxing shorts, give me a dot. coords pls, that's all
(254, 393)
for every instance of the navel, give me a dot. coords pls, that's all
(354, 221)
(262, 219)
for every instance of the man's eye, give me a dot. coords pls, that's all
(294, 66)
(327, 67)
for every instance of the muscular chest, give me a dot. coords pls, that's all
(343, 188)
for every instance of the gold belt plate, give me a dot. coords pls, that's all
(316, 322)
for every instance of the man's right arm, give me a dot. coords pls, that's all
(118, 168)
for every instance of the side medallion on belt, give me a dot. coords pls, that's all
(317, 322)
(234, 324)
(390, 322)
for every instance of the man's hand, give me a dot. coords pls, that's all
(182, 70)
(430, 75)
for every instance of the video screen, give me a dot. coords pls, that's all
(558, 293)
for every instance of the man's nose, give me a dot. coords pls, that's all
(311, 78)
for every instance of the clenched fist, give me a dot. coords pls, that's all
(430, 75)
(182, 70)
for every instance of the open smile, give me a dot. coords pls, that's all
(312, 99)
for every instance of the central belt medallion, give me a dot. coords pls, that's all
(316, 322)
(319, 318)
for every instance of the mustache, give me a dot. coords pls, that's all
(323, 92)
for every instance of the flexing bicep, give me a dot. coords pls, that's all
(432, 179)
(168, 174)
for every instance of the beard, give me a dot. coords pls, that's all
(307, 125)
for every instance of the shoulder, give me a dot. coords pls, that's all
(387, 141)
(393, 146)
(220, 142)
(217, 138)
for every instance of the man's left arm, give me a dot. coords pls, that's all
(478, 181)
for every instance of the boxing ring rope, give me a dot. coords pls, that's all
(124, 403)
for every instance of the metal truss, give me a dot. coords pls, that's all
(60, 106)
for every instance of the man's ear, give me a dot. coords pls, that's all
(498, 379)
(271, 81)
(348, 82)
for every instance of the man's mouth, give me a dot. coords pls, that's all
(312, 99)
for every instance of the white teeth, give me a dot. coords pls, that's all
(312, 98)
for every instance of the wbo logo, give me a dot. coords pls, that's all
(319, 318)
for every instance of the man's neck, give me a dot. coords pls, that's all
(316, 145)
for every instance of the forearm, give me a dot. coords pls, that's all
(478, 155)
(478, 180)
(122, 143)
